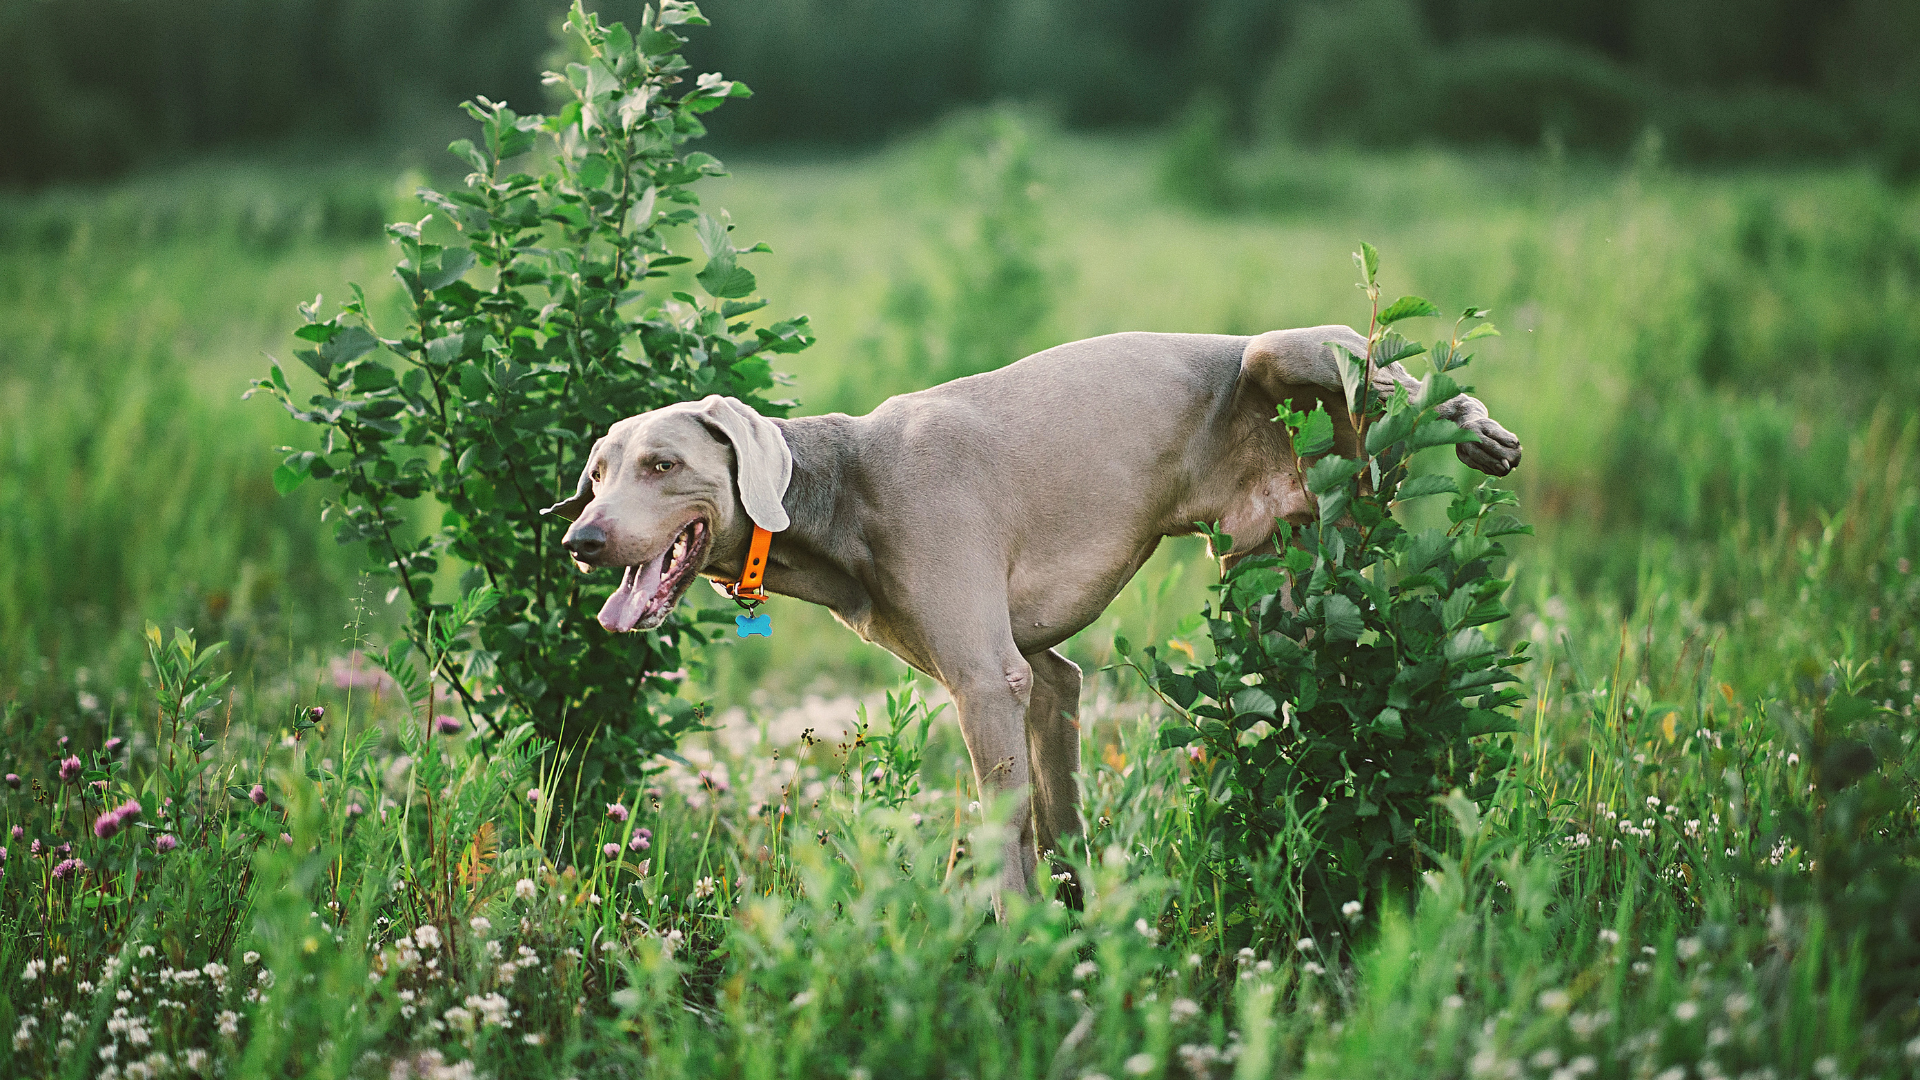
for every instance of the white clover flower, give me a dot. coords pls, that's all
(1454, 1001)
(524, 889)
(1183, 1010)
(33, 970)
(1146, 930)
(458, 1018)
(1686, 1011)
(703, 888)
(1140, 1064)
(1085, 970)
(1305, 944)
(1351, 909)
(1311, 967)
(1610, 937)
(480, 924)
(428, 935)
(1687, 948)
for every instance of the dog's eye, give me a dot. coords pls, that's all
(663, 466)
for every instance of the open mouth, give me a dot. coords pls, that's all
(650, 590)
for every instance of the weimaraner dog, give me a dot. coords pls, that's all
(973, 527)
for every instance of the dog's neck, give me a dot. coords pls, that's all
(805, 561)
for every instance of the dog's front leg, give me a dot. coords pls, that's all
(992, 699)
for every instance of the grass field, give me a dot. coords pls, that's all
(1704, 860)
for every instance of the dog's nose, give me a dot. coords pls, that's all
(585, 541)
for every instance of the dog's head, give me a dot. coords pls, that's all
(664, 490)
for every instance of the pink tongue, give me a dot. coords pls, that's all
(623, 609)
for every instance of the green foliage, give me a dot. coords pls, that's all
(501, 386)
(1351, 682)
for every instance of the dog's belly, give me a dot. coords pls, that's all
(1050, 600)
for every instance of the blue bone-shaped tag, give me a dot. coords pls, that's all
(748, 625)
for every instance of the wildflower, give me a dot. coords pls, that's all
(1140, 1064)
(250, 957)
(1686, 1011)
(1555, 1001)
(1454, 1001)
(641, 840)
(114, 744)
(258, 795)
(428, 935)
(1610, 937)
(67, 867)
(1183, 1010)
(1305, 944)
(165, 842)
(447, 725)
(1351, 909)
(1687, 948)
(802, 999)
(703, 888)
(1085, 970)
(617, 812)
(480, 924)
(524, 888)
(287, 839)
(534, 1038)
(32, 970)
(354, 809)
(229, 1022)
(533, 796)
(611, 851)
(19, 833)
(317, 713)
(69, 770)
(1311, 967)
(1738, 1004)
(13, 781)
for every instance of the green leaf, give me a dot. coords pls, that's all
(1353, 374)
(1388, 723)
(1368, 260)
(1254, 701)
(1483, 330)
(1423, 549)
(725, 280)
(1315, 433)
(1332, 471)
(1435, 390)
(1505, 525)
(1174, 736)
(1430, 484)
(1390, 429)
(1438, 432)
(286, 478)
(453, 263)
(1467, 645)
(1343, 619)
(1407, 307)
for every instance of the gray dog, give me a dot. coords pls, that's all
(972, 527)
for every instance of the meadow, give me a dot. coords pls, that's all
(1701, 864)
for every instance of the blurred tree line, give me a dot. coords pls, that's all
(96, 87)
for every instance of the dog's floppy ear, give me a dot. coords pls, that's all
(764, 463)
(571, 508)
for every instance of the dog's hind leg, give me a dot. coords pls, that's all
(1053, 744)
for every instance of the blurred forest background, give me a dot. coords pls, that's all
(95, 89)
(1697, 224)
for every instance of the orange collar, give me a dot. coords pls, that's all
(747, 591)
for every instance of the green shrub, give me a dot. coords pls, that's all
(1350, 680)
(575, 319)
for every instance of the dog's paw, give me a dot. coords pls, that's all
(1496, 452)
